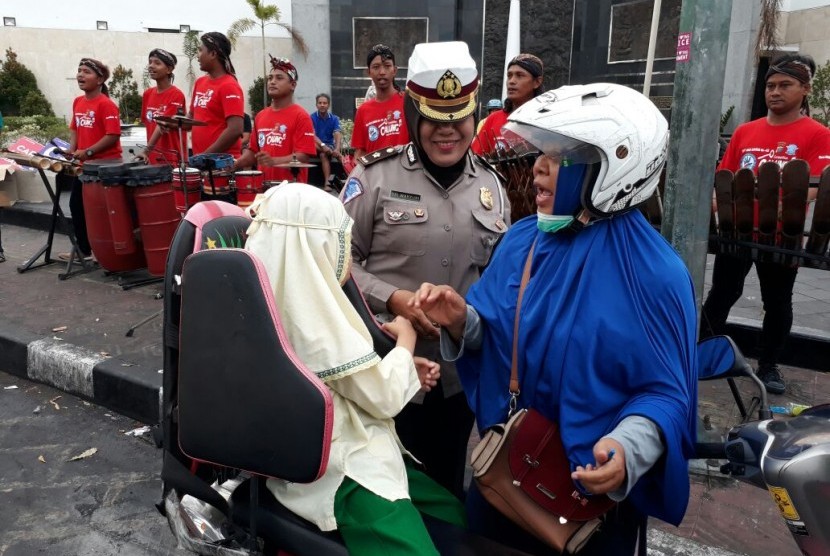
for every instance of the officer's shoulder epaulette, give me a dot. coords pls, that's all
(382, 154)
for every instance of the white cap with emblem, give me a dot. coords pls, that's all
(442, 79)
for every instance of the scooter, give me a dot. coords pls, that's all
(239, 407)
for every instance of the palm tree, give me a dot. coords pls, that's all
(190, 47)
(266, 14)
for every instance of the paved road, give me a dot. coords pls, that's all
(100, 505)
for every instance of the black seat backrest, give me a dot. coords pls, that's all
(246, 401)
(206, 224)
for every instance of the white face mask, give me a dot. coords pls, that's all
(552, 223)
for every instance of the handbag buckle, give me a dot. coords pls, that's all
(512, 404)
(531, 462)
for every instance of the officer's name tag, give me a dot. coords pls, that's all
(405, 196)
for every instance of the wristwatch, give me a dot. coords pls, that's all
(89, 153)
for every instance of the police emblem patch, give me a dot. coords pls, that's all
(352, 190)
(448, 86)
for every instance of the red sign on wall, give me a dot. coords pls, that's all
(684, 47)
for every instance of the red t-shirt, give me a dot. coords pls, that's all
(378, 125)
(166, 103)
(490, 133)
(213, 102)
(757, 141)
(91, 120)
(280, 133)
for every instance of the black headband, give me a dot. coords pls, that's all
(219, 43)
(794, 68)
(168, 58)
(93, 65)
(381, 50)
(529, 62)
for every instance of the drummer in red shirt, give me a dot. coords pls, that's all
(95, 134)
(380, 122)
(165, 99)
(283, 131)
(217, 99)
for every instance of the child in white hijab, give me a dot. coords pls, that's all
(303, 237)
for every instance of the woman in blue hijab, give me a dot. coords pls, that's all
(606, 332)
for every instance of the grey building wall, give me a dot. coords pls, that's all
(311, 18)
(739, 85)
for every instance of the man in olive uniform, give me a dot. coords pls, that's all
(428, 211)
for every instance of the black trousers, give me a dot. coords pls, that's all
(437, 432)
(776, 292)
(76, 209)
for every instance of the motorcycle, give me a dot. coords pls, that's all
(238, 407)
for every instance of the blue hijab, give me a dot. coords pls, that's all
(607, 330)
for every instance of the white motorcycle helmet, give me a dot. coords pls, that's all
(617, 131)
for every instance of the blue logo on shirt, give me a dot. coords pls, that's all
(260, 139)
(373, 133)
(749, 161)
(792, 149)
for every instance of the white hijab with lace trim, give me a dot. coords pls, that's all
(303, 237)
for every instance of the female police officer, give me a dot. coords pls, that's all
(428, 211)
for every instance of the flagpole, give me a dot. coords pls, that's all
(513, 41)
(652, 46)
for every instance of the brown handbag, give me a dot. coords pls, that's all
(522, 470)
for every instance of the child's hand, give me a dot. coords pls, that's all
(428, 373)
(402, 330)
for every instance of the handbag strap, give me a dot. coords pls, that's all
(514, 363)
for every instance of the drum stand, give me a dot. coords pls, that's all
(2, 254)
(182, 162)
(75, 256)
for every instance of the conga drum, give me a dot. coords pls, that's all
(248, 184)
(187, 191)
(109, 212)
(219, 185)
(158, 215)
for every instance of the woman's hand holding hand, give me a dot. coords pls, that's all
(442, 305)
(399, 304)
(608, 474)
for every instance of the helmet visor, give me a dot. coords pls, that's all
(523, 138)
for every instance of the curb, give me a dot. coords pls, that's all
(806, 348)
(130, 389)
(29, 215)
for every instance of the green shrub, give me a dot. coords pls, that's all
(16, 83)
(34, 103)
(255, 96)
(39, 128)
(124, 91)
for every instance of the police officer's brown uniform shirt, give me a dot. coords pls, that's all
(408, 230)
